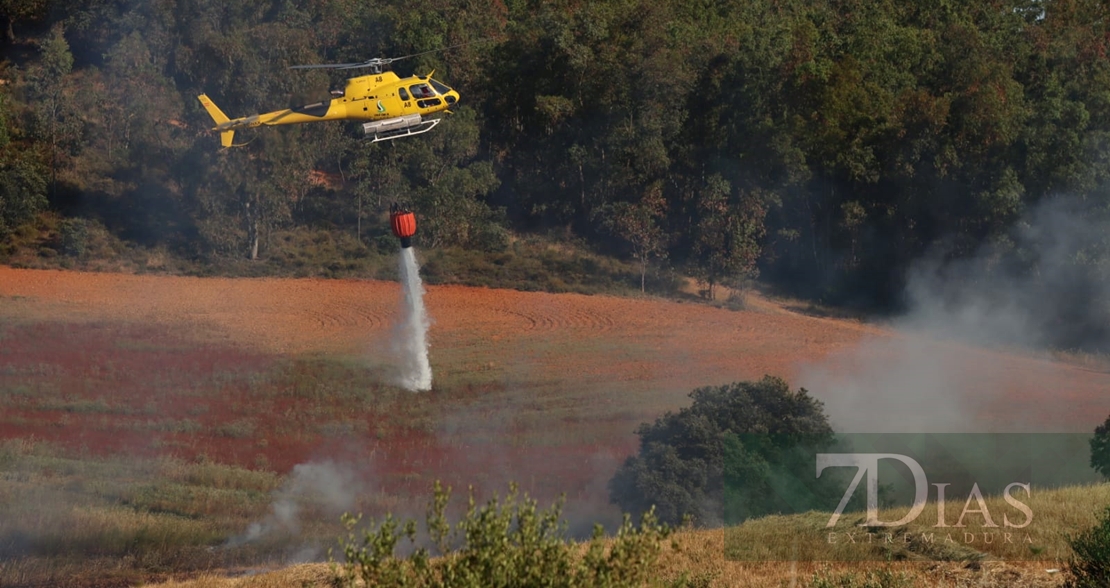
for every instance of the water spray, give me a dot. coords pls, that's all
(412, 333)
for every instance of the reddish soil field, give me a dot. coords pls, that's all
(538, 385)
(594, 339)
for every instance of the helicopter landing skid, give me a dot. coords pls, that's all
(416, 129)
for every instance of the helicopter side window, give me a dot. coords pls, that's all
(421, 91)
(403, 93)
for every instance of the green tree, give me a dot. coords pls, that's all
(1100, 449)
(22, 189)
(57, 123)
(22, 181)
(247, 198)
(639, 225)
(684, 458)
(728, 235)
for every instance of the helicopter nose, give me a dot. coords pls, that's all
(451, 97)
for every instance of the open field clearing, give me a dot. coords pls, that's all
(250, 413)
(602, 355)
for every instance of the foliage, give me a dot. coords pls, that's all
(74, 235)
(822, 146)
(1090, 561)
(22, 189)
(639, 225)
(22, 178)
(687, 459)
(499, 544)
(1100, 449)
(726, 244)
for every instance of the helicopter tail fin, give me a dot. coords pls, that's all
(220, 118)
(226, 137)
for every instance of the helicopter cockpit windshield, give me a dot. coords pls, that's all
(448, 94)
(440, 88)
(428, 96)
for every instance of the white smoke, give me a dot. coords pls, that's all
(411, 337)
(325, 487)
(959, 359)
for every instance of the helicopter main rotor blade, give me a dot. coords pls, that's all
(370, 63)
(321, 66)
(436, 50)
(378, 61)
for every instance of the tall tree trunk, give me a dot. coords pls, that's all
(54, 153)
(109, 120)
(252, 230)
(643, 272)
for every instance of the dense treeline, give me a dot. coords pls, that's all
(824, 144)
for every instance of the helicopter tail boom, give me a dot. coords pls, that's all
(226, 136)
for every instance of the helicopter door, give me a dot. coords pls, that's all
(403, 93)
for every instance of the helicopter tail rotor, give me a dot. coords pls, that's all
(226, 136)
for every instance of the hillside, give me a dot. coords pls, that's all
(828, 146)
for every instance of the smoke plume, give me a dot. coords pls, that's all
(326, 488)
(959, 359)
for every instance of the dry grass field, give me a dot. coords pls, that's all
(167, 411)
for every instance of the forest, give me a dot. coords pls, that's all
(821, 146)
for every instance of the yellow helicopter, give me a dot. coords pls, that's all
(396, 107)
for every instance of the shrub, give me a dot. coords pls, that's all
(74, 236)
(502, 545)
(681, 466)
(1090, 562)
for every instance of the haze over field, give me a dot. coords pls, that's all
(949, 354)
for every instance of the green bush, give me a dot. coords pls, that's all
(502, 545)
(74, 236)
(736, 437)
(1090, 563)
